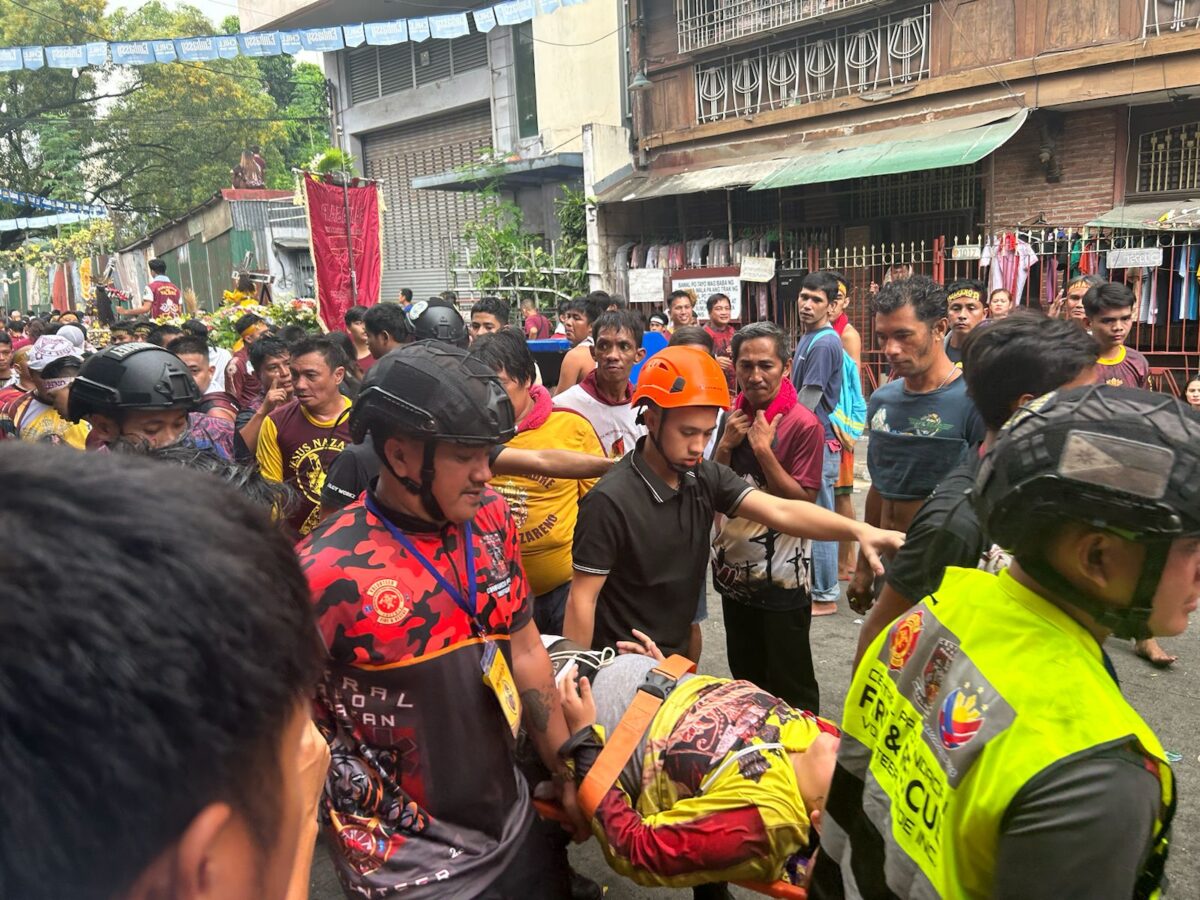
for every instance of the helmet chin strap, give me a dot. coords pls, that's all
(656, 439)
(1130, 622)
(424, 488)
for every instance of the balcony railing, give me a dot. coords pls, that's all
(1168, 16)
(860, 59)
(710, 23)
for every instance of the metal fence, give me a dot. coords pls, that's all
(543, 274)
(1167, 16)
(1036, 267)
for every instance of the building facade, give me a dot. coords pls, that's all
(437, 121)
(883, 136)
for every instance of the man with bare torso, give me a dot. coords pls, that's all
(921, 422)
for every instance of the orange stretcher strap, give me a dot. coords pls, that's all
(620, 745)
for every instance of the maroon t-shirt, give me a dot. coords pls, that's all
(307, 451)
(365, 363)
(242, 384)
(723, 347)
(165, 299)
(799, 446)
(217, 400)
(1125, 368)
(541, 323)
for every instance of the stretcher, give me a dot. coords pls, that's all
(621, 745)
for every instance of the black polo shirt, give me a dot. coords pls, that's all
(651, 542)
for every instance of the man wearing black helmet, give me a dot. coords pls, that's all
(987, 750)
(434, 661)
(141, 394)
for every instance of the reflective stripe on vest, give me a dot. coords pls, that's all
(945, 722)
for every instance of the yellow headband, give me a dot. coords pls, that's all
(249, 328)
(842, 289)
(965, 294)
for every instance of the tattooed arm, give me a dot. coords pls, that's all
(543, 713)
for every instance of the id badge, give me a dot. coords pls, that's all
(497, 676)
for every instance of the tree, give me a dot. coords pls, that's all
(149, 141)
(44, 113)
(307, 128)
(167, 146)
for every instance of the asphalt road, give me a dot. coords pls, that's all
(1168, 700)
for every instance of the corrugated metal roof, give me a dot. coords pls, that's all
(644, 187)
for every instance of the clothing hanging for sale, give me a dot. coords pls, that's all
(1184, 288)
(1050, 285)
(1008, 259)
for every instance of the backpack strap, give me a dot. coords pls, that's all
(620, 745)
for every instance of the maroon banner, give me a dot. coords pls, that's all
(327, 223)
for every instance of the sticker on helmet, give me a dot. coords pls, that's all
(1104, 460)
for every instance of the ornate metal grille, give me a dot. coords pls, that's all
(1169, 160)
(1166, 16)
(862, 58)
(709, 23)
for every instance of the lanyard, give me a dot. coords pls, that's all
(454, 592)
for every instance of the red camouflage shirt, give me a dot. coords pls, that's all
(422, 791)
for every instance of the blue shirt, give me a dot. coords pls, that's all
(916, 439)
(818, 362)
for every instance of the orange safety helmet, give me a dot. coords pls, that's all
(681, 376)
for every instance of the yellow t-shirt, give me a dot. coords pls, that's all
(35, 421)
(545, 509)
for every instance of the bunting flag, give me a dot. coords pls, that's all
(20, 198)
(328, 39)
(66, 57)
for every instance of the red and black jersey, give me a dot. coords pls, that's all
(422, 783)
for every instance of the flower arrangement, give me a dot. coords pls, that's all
(282, 310)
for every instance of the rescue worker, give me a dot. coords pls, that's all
(987, 750)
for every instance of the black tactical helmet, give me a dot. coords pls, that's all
(131, 376)
(438, 322)
(434, 392)
(1118, 459)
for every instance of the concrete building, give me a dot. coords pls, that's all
(877, 135)
(203, 247)
(436, 120)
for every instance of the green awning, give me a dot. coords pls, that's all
(932, 145)
(1152, 215)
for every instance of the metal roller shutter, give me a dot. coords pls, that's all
(362, 71)
(469, 52)
(432, 62)
(421, 229)
(396, 68)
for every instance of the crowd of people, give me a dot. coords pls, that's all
(394, 585)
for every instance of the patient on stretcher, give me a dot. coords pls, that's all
(727, 784)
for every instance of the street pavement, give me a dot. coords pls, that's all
(1168, 700)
